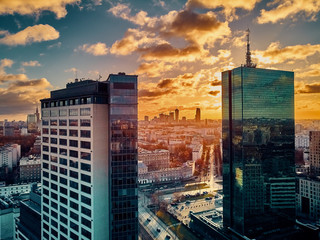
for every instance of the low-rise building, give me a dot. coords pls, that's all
(166, 175)
(9, 210)
(30, 169)
(155, 160)
(15, 189)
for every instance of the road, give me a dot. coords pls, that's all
(151, 223)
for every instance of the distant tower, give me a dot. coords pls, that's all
(176, 114)
(198, 115)
(37, 115)
(171, 116)
(146, 118)
(249, 62)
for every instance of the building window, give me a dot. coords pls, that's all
(45, 165)
(86, 200)
(53, 131)
(54, 168)
(86, 167)
(63, 122)
(63, 142)
(53, 140)
(85, 133)
(63, 151)
(54, 159)
(54, 113)
(65, 211)
(73, 184)
(63, 180)
(45, 139)
(45, 131)
(85, 178)
(86, 145)
(73, 153)
(45, 113)
(63, 190)
(73, 143)
(74, 195)
(73, 133)
(73, 112)
(85, 112)
(74, 216)
(45, 148)
(63, 112)
(86, 233)
(63, 161)
(86, 211)
(63, 132)
(85, 123)
(86, 156)
(54, 149)
(85, 189)
(53, 122)
(73, 122)
(73, 174)
(64, 172)
(73, 163)
(45, 122)
(86, 222)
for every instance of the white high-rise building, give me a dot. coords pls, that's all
(89, 160)
(9, 155)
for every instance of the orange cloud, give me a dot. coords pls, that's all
(30, 7)
(289, 9)
(18, 93)
(97, 49)
(37, 33)
(229, 6)
(274, 54)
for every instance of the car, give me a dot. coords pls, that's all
(168, 237)
(158, 230)
(148, 219)
(208, 198)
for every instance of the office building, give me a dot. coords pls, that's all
(198, 115)
(89, 160)
(28, 224)
(176, 112)
(258, 151)
(9, 155)
(314, 152)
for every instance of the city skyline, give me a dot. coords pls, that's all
(177, 48)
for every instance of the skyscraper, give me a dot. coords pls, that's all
(258, 150)
(89, 160)
(176, 115)
(198, 115)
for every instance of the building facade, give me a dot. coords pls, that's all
(258, 150)
(89, 160)
(314, 152)
(30, 169)
(9, 155)
(155, 160)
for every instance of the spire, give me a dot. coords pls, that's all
(249, 63)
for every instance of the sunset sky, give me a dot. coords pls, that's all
(178, 49)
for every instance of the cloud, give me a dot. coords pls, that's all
(37, 33)
(310, 88)
(165, 83)
(55, 45)
(275, 54)
(229, 6)
(214, 93)
(97, 49)
(151, 94)
(31, 64)
(18, 93)
(154, 68)
(152, 37)
(284, 9)
(215, 83)
(30, 7)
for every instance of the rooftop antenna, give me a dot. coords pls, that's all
(249, 62)
(76, 73)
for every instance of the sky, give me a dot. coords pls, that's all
(178, 49)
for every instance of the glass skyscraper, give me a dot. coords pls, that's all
(258, 151)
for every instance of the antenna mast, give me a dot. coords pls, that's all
(249, 62)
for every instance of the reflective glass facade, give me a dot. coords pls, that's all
(123, 145)
(258, 150)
